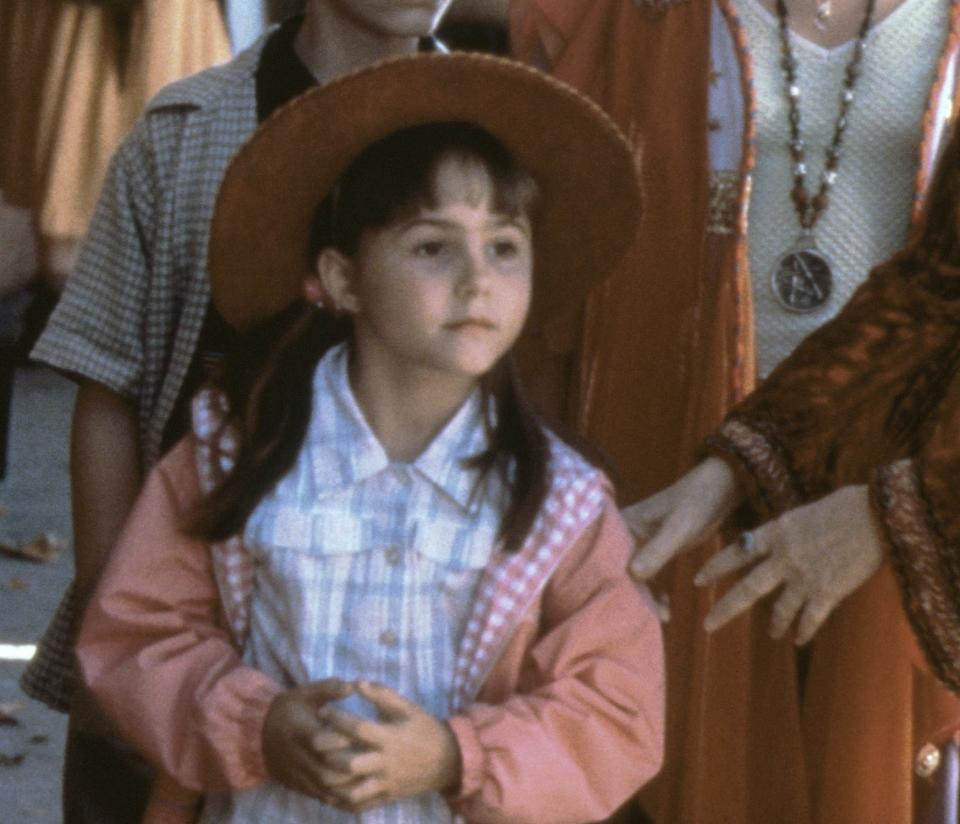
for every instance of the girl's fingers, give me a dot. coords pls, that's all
(306, 776)
(355, 763)
(361, 794)
(326, 689)
(391, 705)
(727, 560)
(355, 728)
(785, 610)
(762, 580)
(335, 780)
(328, 739)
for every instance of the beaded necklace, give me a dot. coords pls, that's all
(802, 278)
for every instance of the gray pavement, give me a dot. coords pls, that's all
(34, 498)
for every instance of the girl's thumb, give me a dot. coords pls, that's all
(390, 704)
(327, 689)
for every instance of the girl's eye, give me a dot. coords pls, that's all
(505, 248)
(429, 248)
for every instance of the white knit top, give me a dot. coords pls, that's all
(867, 218)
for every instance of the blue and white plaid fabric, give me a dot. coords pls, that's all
(365, 569)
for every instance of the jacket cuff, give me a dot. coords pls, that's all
(237, 726)
(472, 759)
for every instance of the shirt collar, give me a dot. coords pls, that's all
(343, 449)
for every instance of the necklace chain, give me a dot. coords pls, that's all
(810, 209)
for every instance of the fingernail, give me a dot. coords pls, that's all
(699, 579)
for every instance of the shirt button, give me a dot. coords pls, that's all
(393, 556)
(388, 638)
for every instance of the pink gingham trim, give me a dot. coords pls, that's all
(513, 581)
(216, 449)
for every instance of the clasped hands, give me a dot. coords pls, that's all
(355, 763)
(816, 554)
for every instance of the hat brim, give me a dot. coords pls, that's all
(585, 168)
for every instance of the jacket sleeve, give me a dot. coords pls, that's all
(873, 397)
(585, 727)
(153, 650)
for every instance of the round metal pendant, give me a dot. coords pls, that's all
(802, 278)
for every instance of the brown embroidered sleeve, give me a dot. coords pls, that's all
(926, 565)
(874, 397)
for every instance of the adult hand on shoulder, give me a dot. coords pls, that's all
(294, 735)
(819, 553)
(405, 753)
(680, 516)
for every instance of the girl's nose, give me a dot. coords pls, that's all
(474, 276)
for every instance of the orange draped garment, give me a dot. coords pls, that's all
(645, 372)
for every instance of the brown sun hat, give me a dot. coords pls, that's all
(585, 168)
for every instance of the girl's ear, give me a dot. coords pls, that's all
(333, 284)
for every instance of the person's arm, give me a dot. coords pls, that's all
(104, 477)
(854, 439)
(95, 336)
(916, 501)
(855, 395)
(585, 727)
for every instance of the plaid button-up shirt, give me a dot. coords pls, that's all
(133, 307)
(366, 568)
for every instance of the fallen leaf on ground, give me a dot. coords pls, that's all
(15, 584)
(42, 549)
(12, 760)
(8, 714)
(39, 738)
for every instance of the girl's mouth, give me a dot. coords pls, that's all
(471, 323)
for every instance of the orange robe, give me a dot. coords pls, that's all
(660, 353)
(74, 78)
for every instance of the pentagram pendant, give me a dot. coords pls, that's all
(802, 277)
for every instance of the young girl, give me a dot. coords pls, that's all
(372, 583)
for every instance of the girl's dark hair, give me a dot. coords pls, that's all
(268, 379)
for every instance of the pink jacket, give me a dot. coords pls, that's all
(562, 726)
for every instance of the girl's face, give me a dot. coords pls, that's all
(444, 292)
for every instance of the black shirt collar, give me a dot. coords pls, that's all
(282, 76)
